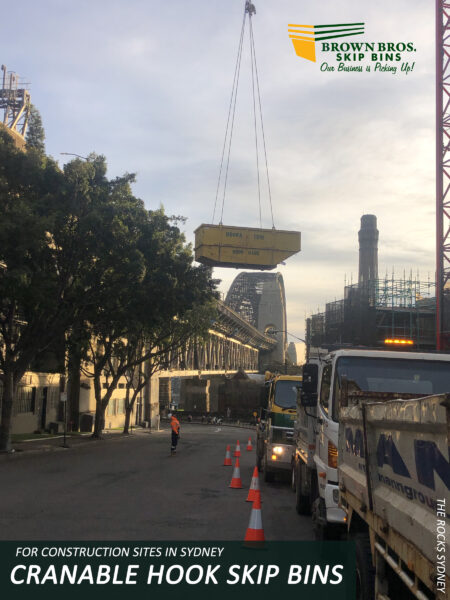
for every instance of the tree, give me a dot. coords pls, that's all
(33, 311)
(157, 348)
(150, 303)
(80, 256)
(100, 236)
(35, 135)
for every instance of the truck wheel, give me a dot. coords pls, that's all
(269, 475)
(365, 573)
(322, 530)
(301, 501)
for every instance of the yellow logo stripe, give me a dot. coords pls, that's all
(300, 37)
(311, 35)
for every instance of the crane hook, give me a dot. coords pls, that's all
(250, 8)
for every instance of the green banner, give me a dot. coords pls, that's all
(319, 570)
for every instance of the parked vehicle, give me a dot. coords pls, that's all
(394, 472)
(315, 460)
(274, 442)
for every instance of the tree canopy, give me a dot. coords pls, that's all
(80, 256)
(35, 136)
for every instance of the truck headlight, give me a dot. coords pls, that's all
(278, 450)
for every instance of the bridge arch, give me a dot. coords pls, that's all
(260, 299)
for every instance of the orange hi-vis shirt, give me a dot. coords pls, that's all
(175, 424)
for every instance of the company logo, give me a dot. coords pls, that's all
(304, 37)
(428, 458)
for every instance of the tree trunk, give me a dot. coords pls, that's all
(128, 409)
(126, 427)
(73, 389)
(99, 421)
(102, 403)
(9, 391)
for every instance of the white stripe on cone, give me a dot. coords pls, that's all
(254, 486)
(237, 452)
(236, 479)
(227, 461)
(255, 519)
(255, 531)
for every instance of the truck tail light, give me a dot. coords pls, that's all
(332, 455)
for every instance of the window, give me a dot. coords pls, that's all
(286, 393)
(409, 376)
(111, 408)
(24, 399)
(53, 396)
(325, 388)
(392, 375)
(121, 386)
(120, 406)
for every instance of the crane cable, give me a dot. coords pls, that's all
(262, 123)
(249, 9)
(254, 115)
(231, 110)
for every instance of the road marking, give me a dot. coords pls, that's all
(217, 430)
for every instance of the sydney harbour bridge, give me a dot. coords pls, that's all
(248, 335)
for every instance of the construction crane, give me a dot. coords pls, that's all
(244, 247)
(15, 101)
(442, 175)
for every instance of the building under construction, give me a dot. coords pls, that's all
(375, 310)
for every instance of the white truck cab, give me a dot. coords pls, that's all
(315, 460)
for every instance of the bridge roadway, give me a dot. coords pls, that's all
(234, 343)
(191, 379)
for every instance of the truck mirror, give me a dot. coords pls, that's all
(264, 397)
(308, 393)
(307, 400)
(310, 378)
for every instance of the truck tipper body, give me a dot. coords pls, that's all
(394, 474)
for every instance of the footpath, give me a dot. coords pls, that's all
(55, 443)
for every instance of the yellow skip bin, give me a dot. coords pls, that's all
(244, 247)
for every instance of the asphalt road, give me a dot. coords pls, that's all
(131, 489)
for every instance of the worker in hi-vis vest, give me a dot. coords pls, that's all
(175, 425)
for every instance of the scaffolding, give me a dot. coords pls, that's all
(401, 293)
(382, 308)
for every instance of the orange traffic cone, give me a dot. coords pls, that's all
(255, 532)
(254, 486)
(236, 482)
(249, 445)
(227, 461)
(237, 452)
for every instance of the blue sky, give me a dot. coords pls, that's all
(147, 84)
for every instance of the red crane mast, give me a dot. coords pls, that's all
(442, 175)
